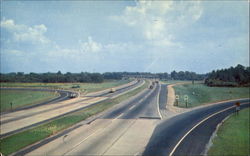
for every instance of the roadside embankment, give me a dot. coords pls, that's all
(232, 136)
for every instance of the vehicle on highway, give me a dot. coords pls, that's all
(151, 87)
(112, 90)
(73, 95)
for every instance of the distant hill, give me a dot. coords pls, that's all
(231, 77)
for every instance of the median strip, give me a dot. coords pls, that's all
(28, 137)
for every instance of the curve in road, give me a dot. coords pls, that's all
(23, 118)
(64, 95)
(181, 135)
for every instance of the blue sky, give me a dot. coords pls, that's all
(103, 36)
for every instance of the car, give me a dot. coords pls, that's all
(112, 90)
(72, 95)
(151, 87)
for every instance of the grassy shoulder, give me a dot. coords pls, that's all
(9, 144)
(199, 94)
(20, 98)
(233, 136)
(82, 87)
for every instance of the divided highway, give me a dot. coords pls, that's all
(117, 131)
(140, 125)
(17, 121)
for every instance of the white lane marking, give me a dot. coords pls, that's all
(118, 138)
(97, 131)
(132, 107)
(128, 90)
(102, 129)
(136, 103)
(141, 100)
(158, 104)
(198, 125)
(119, 115)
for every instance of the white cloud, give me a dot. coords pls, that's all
(90, 45)
(158, 20)
(23, 33)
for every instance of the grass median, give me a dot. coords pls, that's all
(20, 98)
(233, 136)
(20, 140)
(199, 94)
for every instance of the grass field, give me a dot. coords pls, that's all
(9, 144)
(199, 94)
(233, 136)
(83, 87)
(20, 98)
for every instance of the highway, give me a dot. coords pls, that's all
(189, 133)
(140, 125)
(112, 133)
(17, 121)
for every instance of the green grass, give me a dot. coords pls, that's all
(199, 94)
(84, 87)
(20, 98)
(18, 141)
(233, 136)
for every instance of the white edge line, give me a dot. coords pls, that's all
(158, 99)
(119, 116)
(132, 107)
(198, 125)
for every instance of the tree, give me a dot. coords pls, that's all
(233, 76)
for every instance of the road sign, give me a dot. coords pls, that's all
(186, 100)
(177, 97)
(185, 97)
(176, 100)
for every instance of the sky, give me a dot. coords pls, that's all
(115, 36)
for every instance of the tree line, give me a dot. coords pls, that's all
(181, 75)
(94, 77)
(233, 76)
(52, 77)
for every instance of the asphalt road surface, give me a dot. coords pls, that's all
(169, 136)
(117, 131)
(138, 126)
(23, 119)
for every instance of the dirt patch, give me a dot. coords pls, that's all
(171, 99)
